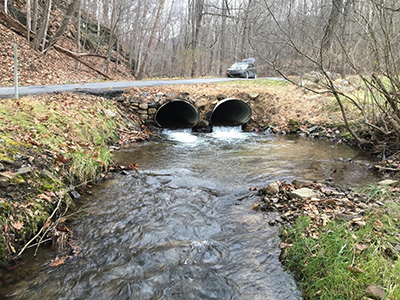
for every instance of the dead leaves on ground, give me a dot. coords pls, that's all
(329, 204)
(17, 225)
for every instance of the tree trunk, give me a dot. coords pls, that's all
(78, 36)
(151, 40)
(106, 12)
(35, 16)
(246, 30)
(68, 16)
(327, 40)
(111, 39)
(197, 16)
(76, 57)
(222, 39)
(117, 58)
(41, 33)
(28, 19)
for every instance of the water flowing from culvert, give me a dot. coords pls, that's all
(184, 136)
(181, 228)
(229, 133)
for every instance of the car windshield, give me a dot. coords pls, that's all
(239, 65)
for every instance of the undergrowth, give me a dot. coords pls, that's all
(64, 140)
(344, 260)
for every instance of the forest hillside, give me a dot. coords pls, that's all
(55, 65)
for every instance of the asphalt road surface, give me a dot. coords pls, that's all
(98, 87)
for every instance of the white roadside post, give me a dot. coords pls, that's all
(15, 70)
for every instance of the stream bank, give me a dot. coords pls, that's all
(338, 243)
(51, 148)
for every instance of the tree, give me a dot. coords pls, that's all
(78, 36)
(373, 35)
(72, 8)
(44, 23)
(35, 15)
(152, 38)
(28, 19)
(222, 40)
(197, 7)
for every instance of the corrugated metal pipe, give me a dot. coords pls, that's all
(231, 112)
(177, 114)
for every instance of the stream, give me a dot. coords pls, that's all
(182, 227)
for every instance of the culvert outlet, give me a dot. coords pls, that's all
(177, 114)
(231, 112)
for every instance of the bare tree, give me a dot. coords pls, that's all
(152, 38)
(372, 36)
(67, 18)
(35, 15)
(78, 29)
(28, 19)
(44, 23)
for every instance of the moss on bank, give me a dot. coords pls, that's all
(48, 144)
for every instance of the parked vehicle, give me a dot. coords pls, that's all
(244, 69)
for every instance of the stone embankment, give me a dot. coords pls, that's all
(145, 105)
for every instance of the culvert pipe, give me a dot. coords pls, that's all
(231, 112)
(177, 114)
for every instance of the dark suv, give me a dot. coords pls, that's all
(244, 69)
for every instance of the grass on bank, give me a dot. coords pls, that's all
(346, 259)
(65, 139)
(75, 128)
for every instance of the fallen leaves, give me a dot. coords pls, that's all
(359, 222)
(355, 269)
(360, 247)
(58, 261)
(60, 159)
(375, 291)
(37, 69)
(323, 204)
(17, 225)
(378, 225)
(47, 196)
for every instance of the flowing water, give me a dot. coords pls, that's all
(180, 228)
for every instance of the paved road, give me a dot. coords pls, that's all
(98, 87)
(8, 92)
